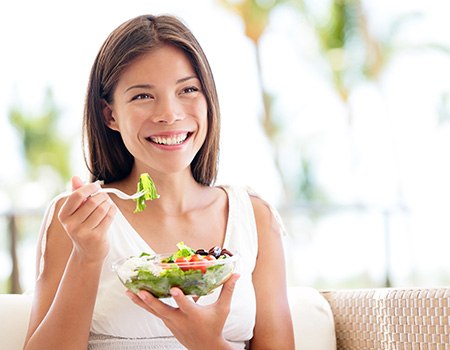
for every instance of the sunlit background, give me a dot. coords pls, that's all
(335, 111)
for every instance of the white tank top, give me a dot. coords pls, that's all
(115, 315)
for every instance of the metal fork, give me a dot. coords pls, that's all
(120, 194)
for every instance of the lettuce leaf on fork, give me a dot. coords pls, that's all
(145, 184)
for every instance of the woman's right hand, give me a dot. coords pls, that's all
(86, 218)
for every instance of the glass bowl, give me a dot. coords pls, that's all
(194, 278)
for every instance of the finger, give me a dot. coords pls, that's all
(153, 304)
(183, 302)
(76, 182)
(106, 221)
(138, 301)
(79, 197)
(93, 212)
(226, 293)
(86, 210)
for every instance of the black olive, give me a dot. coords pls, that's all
(226, 252)
(201, 252)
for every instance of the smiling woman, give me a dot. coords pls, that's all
(143, 91)
(152, 107)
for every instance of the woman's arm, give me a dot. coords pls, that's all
(273, 329)
(66, 289)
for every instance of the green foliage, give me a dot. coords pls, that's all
(339, 26)
(4, 286)
(42, 142)
(254, 13)
(308, 189)
(353, 52)
(443, 108)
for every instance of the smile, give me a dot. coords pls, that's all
(169, 140)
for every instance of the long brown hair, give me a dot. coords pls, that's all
(105, 154)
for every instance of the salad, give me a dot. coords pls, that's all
(145, 184)
(195, 272)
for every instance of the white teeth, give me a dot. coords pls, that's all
(173, 140)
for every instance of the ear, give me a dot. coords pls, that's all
(110, 121)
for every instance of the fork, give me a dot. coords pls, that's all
(120, 194)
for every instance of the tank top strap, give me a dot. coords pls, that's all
(241, 235)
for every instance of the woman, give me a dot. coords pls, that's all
(152, 107)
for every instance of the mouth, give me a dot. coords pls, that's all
(169, 140)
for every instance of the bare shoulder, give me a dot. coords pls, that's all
(54, 245)
(269, 227)
(264, 216)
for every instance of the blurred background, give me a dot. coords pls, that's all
(335, 111)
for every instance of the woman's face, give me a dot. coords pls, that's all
(160, 111)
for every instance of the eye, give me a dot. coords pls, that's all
(190, 89)
(141, 97)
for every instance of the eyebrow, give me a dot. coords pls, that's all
(149, 86)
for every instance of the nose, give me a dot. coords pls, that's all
(168, 111)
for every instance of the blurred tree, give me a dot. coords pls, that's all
(255, 17)
(43, 143)
(44, 148)
(443, 108)
(352, 52)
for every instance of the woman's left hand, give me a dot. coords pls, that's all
(195, 326)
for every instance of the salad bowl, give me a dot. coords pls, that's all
(196, 273)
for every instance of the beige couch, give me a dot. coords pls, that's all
(312, 318)
(397, 318)
(379, 319)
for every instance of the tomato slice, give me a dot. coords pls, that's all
(199, 263)
(182, 263)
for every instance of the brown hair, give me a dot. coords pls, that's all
(105, 154)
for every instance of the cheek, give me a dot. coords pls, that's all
(130, 120)
(128, 129)
(202, 113)
(203, 122)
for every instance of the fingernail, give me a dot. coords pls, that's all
(174, 292)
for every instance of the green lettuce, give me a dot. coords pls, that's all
(145, 184)
(183, 252)
(191, 282)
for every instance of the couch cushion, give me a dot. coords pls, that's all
(312, 319)
(311, 315)
(14, 313)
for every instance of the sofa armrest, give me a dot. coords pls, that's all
(312, 319)
(14, 314)
(391, 318)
